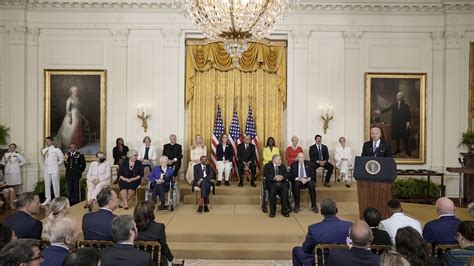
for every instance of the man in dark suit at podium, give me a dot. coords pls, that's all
(376, 147)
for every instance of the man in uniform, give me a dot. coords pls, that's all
(75, 165)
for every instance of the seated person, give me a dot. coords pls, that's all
(411, 244)
(319, 154)
(174, 152)
(150, 230)
(160, 179)
(303, 176)
(83, 257)
(6, 235)
(59, 209)
(397, 220)
(130, 176)
(269, 151)
(147, 156)
(372, 217)
(330, 231)
(224, 156)
(246, 155)
(98, 177)
(465, 237)
(8, 194)
(276, 182)
(343, 157)
(21, 252)
(203, 179)
(123, 253)
(22, 221)
(62, 235)
(359, 253)
(196, 151)
(96, 225)
(292, 151)
(442, 230)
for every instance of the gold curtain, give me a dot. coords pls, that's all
(210, 74)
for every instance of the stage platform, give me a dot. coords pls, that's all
(236, 228)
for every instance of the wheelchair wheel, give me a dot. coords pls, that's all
(263, 200)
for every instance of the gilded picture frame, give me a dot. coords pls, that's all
(396, 102)
(75, 109)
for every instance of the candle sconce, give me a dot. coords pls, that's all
(327, 114)
(144, 113)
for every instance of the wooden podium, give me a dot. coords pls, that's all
(374, 176)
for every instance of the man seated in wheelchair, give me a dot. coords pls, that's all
(161, 178)
(303, 176)
(276, 182)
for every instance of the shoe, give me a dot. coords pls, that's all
(252, 183)
(338, 180)
(272, 215)
(206, 209)
(162, 207)
(89, 207)
(218, 183)
(199, 209)
(125, 208)
(315, 209)
(286, 215)
(347, 185)
(296, 210)
(227, 183)
(45, 203)
(86, 206)
(326, 185)
(240, 184)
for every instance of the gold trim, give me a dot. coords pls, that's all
(471, 86)
(422, 144)
(268, 42)
(79, 72)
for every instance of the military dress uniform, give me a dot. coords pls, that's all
(75, 165)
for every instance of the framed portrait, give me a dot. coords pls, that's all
(396, 103)
(75, 109)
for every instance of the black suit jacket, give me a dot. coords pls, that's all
(269, 172)
(24, 225)
(124, 255)
(227, 155)
(173, 151)
(75, 165)
(199, 174)
(314, 154)
(381, 237)
(246, 155)
(156, 232)
(308, 167)
(353, 257)
(383, 150)
(97, 225)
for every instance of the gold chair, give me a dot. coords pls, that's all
(151, 247)
(439, 250)
(98, 244)
(322, 252)
(379, 249)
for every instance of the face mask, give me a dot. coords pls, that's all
(101, 160)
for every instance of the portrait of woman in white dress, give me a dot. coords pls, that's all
(13, 162)
(70, 130)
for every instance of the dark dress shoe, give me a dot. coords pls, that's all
(227, 183)
(272, 215)
(218, 183)
(327, 185)
(162, 207)
(206, 209)
(286, 215)
(296, 210)
(199, 209)
(253, 184)
(89, 207)
(125, 208)
(315, 209)
(240, 184)
(86, 206)
(347, 185)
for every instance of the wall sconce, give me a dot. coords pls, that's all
(144, 113)
(327, 114)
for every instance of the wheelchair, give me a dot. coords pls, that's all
(264, 196)
(173, 195)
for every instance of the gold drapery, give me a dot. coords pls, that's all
(210, 74)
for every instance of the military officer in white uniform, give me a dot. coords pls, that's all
(53, 158)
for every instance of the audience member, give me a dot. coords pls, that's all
(13, 161)
(292, 151)
(276, 182)
(319, 154)
(465, 237)
(6, 235)
(62, 236)
(174, 152)
(8, 194)
(203, 175)
(130, 176)
(224, 157)
(123, 253)
(330, 231)
(343, 157)
(147, 156)
(372, 217)
(196, 151)
(393, 258)
(160, 179)
(21, 252)
(471, 209)
(149, 230)
(397, 220)
(303, 176)
(269, 151)
(246, 156)
(119, 152)
(98, 177)
(22, 221)
(96, 225)
(58, 209)
(442, 230)
(359, 253)
(411, 244)
(83, 257)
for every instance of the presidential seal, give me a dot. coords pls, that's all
(372, 167)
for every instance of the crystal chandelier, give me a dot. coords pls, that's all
(236, 22)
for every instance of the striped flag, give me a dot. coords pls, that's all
(234, 136)
(218, 131)
(251, 131)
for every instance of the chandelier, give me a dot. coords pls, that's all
(236, 22)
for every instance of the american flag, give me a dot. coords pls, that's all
(218, 131)
(251, 131)
(234, 136)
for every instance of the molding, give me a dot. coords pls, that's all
(301, 38)
(352, 39)
(119, 37)
(16, 34)
(32, 35)
(454, 39)
(171, 37)
(438, 38)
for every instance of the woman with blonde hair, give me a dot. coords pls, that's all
(343, 157)
(196, 151)
(58, 209)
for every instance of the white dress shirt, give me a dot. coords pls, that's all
(53, 158)
(396, 221)
(100, 170)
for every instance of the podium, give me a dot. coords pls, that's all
(374, 176)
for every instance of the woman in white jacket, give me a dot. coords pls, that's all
(13, 162)
(343, 156)
(98, 177)
(147, 155)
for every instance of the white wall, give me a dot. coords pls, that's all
(330, 47)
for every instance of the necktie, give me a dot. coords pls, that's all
(301, 170)
(276, 170)
(320, 153)
(246, 146)
(398, 106)
(204, 174)
(374, 148)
